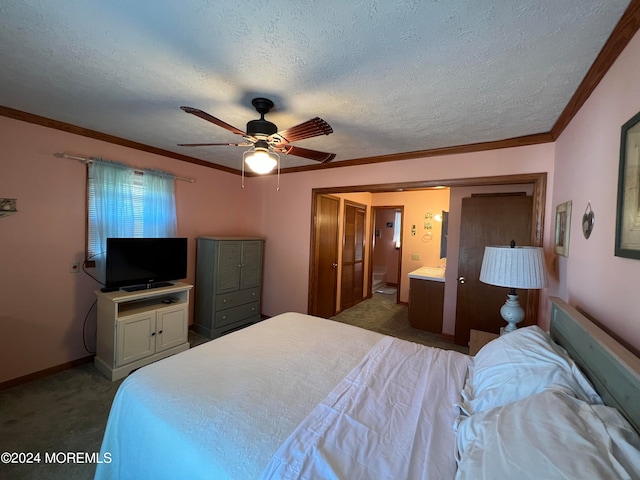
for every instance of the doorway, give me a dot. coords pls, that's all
(536, 181)
(385, 266)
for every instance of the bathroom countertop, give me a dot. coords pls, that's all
(428, 273)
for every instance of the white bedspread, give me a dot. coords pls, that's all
(390, 418)
(222, 409)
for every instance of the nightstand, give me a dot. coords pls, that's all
(479, 339)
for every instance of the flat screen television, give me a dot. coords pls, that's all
(140, 263)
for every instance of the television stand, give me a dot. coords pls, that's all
(146, 286)
(140, 327)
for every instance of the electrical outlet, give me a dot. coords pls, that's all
(74, 267)
(415, 256)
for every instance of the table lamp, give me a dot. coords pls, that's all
(513, 267)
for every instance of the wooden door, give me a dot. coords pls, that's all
(487, 220)
(324, 268)
(352, 280)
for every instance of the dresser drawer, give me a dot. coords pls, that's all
(234, 299)
(236, 314)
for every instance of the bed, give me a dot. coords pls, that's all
(302, 397)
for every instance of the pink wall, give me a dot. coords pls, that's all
(42, 304)
(284, 217)
(38, 244)
(587, 159)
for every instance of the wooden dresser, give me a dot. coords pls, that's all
(228, 284)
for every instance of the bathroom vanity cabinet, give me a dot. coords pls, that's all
(426, 303)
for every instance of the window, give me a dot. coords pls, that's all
(123, 202)
(397, 229)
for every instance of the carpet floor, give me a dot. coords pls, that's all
(53, 418)
(382, 314)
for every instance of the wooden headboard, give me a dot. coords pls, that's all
(612, 369)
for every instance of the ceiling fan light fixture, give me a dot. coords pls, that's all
(260, 160)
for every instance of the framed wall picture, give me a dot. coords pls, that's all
(563, 228)
(628, 212)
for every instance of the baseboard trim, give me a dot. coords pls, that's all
(45, 373)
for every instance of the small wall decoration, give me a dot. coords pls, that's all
(7, 206)
(588, 220)
(563, 228)
(628, 212)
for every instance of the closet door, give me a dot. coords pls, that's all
(352, 281)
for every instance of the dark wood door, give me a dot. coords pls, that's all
(487, 220)
(324, 278)
(352, 279)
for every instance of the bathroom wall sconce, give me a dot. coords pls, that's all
(7, 206)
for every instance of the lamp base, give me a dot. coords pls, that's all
(512, 313)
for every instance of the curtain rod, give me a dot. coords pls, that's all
(90, 160)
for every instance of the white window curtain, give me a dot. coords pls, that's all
(159, 204)
(397, 228)
(124, 203)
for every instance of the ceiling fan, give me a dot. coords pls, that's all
(265, 139)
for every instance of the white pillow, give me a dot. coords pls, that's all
(550, 435)
(518, 364)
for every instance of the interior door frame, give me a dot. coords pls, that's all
(539, 194)
(313, 253)
(372, 230)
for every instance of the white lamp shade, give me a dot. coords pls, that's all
(261, 160)
(518, 267)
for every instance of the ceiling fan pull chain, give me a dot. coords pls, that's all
(243, 173)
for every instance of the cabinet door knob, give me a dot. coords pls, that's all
(253, 294)
(153, 334)
(224, 300)
(461, 279)
(159, 332)
(334, 265)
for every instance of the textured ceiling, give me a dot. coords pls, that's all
(389, 76)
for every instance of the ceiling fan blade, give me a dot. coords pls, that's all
(212, 119)
(322, 157)
(309, 129)
(214, 144)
